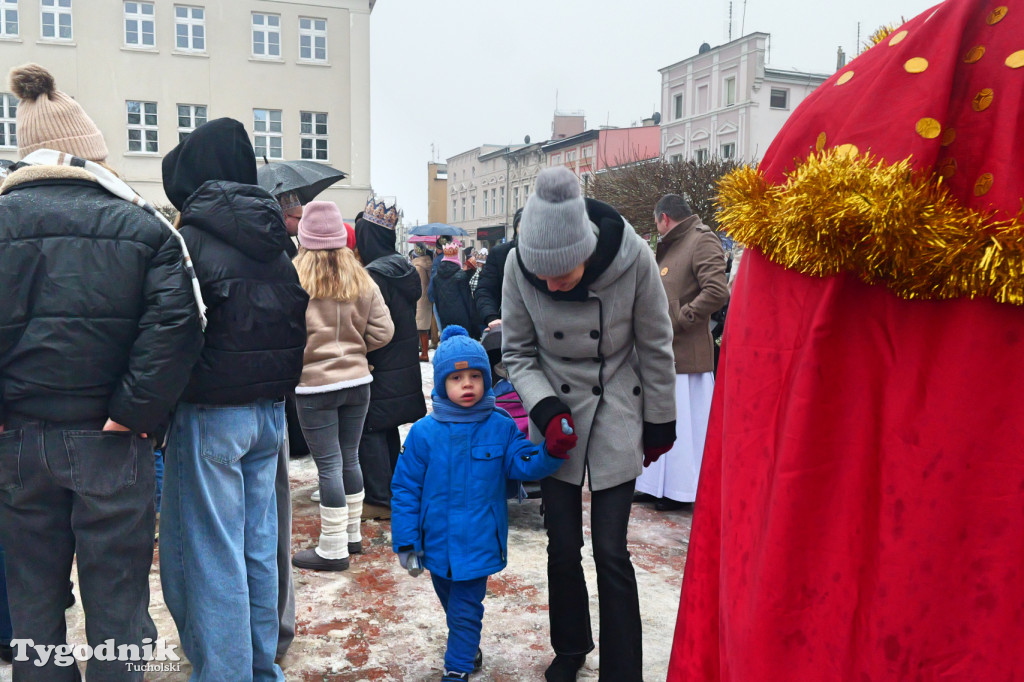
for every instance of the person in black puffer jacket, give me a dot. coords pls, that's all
(488, 289)
(218, 540)
(99, 328)
(452, 294)
(396, 394)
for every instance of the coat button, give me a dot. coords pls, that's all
(597, 390)
(594, 334)
(636, 390)
(559, 335)
(565, 388)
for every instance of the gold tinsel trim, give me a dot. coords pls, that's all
(884, 222)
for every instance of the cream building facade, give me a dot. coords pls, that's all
(726, 102)
(296, 73)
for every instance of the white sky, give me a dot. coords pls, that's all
(461, 73)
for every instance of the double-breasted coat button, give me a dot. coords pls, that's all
(594, 334)
(559, 335)
(597, 390)
(636, 390)
(565, 388)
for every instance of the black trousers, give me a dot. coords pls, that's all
(67, 487)
(621, 634)
(378, 457)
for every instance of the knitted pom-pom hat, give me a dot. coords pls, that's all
(555, 235)
(458, 352)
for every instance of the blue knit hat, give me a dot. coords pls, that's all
(457, 352)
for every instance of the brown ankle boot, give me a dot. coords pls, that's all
(424, 344)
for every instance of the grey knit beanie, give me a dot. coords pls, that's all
(555, 235)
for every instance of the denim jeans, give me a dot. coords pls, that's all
(332, 423)
(5, 611)
(463, 602)
(67, 487)
(618, 601)
(285, 585)
(218, 538)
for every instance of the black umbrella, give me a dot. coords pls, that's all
(305, 178)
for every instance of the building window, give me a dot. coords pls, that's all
(266, 35)
(494, 201)
(485, 203)
(675, 158)
(502, 200)
(472, 207)
(729, 150)
(313, 136)
(463, 208)
(455, 207)
(142, 129)
(8, 124)
(56, 19)
(9, 18)
(526, 193)
(312, 39)
(138, 24)
(677, 107)
(701, 156)
(515, 199)
(190, 28)
(729, 91)
(190, 117)
(702, 99)
(266, 126)
(779, 99)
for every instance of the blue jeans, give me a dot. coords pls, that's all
(463, 602)
(5, 611)
(218, 538)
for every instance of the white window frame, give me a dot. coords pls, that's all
(494, 201)
(675, 158)
(728, 150)
(266, 29)
(472, 206)
(455, 210)
(701, 155)
(486, 192)
(309, 34)
(677, 106)
(264, 133)
(771, 94)
(57, 9)
(140, 19)
(310, 131)
(463, 209)
(192, 117)
(191, 23)
(729, 91)
(9, 16)
(148, 130)
(515, 199)
(503, 200)
(8, 120)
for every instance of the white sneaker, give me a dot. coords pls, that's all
(315, 497)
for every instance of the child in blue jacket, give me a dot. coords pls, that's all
(448, 509)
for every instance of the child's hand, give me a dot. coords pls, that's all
(411, 561)
(558, 442)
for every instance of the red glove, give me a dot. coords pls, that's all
(557, 441)
(652, 454)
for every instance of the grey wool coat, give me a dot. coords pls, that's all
(602, 352)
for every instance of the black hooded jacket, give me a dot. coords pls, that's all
(256, 329)
(488, 288)
(454, 299)
(396, 394)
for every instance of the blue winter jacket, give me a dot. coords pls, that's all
(448, 492)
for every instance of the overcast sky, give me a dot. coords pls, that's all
(460, 73)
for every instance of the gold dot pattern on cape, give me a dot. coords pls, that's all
(1015, 60)
(974, 54)
(664, 271)
(983, 185)
(929, 128)
(820, 143)
(845, 78)
(897, 38)
(848, 149)
(948, 136)
(983, 100)
(997, 15)
(916, 65)
(947, 169)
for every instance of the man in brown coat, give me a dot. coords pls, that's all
(691, 262)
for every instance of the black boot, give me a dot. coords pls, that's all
(6, 653)
(564, 668)
(478, 660)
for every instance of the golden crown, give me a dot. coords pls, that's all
(380, 213)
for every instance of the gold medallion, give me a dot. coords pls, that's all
(897, 38)
(974, 54)
(845, 78)
(820, 143)
(983, 185)
(948, 136)
(996, 15)
(916, 65)
(1015, 60)
(928, 128)
(664, 271)
(983, 100)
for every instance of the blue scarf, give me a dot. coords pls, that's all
(447, 411)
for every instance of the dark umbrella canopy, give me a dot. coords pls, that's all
(437, 230)
(305, 178)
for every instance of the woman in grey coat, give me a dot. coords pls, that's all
(587, 340)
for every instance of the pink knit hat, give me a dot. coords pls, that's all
(321, 226)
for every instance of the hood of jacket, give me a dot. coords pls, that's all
(404, 278)
(218, 150)
(245, 216)
(447, 270)
(617, 247)
(373, 241)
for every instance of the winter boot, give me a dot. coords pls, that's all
(564, 668)
(424, 344)
(452, 676)
(332, 553)
(355, 511)
(315, 495)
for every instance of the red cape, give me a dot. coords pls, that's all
(861, 506)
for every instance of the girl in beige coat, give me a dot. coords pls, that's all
(346, 318)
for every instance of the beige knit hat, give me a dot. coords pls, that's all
(49, 119)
